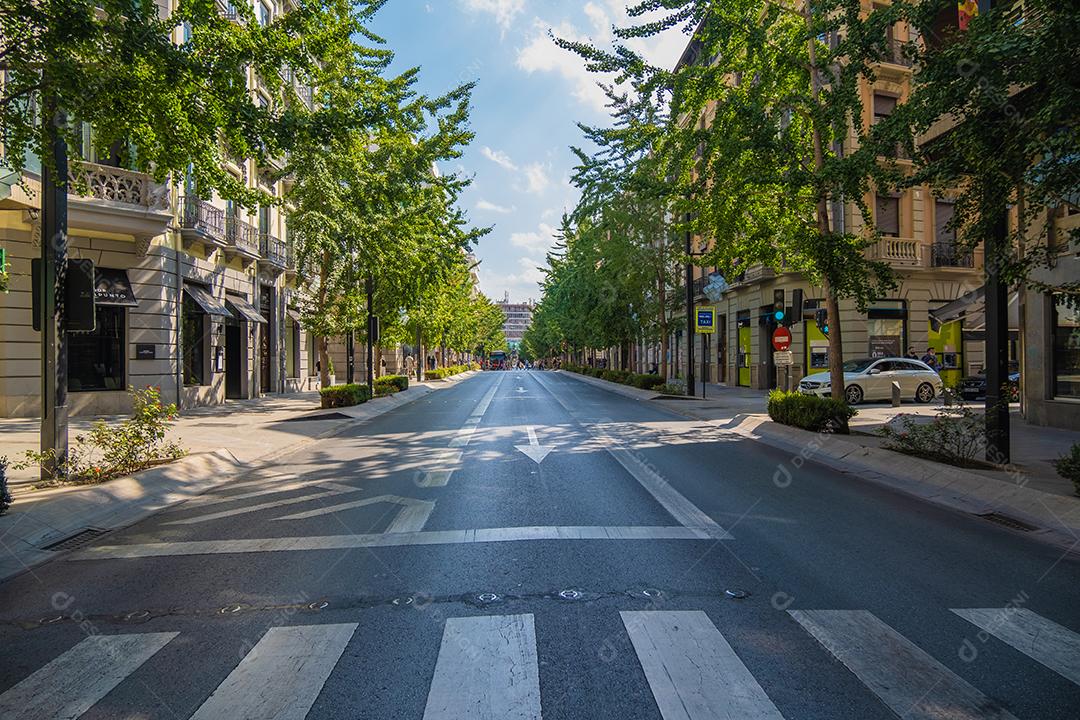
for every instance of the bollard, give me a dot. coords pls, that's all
(896, 393)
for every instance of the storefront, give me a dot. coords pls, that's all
(1065, 350)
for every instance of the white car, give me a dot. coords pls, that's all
(872, 379)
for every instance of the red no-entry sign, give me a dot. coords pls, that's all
(781, 339)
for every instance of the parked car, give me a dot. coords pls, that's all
(973, 387)
(872, 379)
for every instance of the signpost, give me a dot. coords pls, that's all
(781, 339)
(781, 342)
(705, 320)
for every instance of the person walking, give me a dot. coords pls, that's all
(931, 359)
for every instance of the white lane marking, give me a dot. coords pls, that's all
(446, 462)
(905, 677)
(281, 677)
(218, 498)
(692, 671)
(411, 518)
(684, 511)
(71, 684)
(464, 435)
(1042, 640)
(426, 537)
(534, 450)
(487, 669)
(332, 490)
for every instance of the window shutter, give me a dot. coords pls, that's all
(943, 213)
(888, 215)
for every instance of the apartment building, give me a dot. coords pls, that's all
(194, 294)
(916, 243)
(518, 320)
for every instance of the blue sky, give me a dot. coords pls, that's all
(529, 96)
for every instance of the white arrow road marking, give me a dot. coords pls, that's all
(534, 450)
(521, 390)
(411, 518)
(330, 490)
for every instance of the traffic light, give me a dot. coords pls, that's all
(779, 306)
(821, 317)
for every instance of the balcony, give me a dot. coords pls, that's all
(893, 61)
(112, 199)
(241, 240)
(273, 252)
(897, 252)
(290, 259)
(201, 223)
(947, 255)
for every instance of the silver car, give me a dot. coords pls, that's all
(872, 379)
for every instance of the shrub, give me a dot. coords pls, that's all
(809, 412)
(5, 493)
(390, 384)
(956, 436)
(671, 389)
(1068, 466)
(619, 376)
(337, 396)
(646, 381)
(110, 451)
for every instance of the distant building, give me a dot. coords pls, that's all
(518, 319)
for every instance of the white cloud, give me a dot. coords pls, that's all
(521, 285)
(504, 11)
(536, 178)
(492, 207)
(498, 157)
(535, 243)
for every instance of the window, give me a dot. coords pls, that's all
(886, 328)
(263, 13)
(943, 214)
(193, 341)
(1066, 350)
(887, 209)
(883, 106)
(292, 348)
(312, 354)
(96, 360)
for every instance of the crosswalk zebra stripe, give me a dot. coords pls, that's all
(907, 679)
(487, 669)
(71, 684)
(692, 671)
(281, 677)
(1042, 640)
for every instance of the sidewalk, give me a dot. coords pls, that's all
(256, 432)
(1030, 490)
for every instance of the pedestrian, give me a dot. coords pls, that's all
(912, 354)
(930, 358)
(410, 365)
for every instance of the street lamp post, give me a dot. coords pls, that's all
(689, 312)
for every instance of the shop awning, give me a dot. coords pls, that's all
(209, 304)
(112, 287)
(244, 309)
(971, 308)
(294, 314)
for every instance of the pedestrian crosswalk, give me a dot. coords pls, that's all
(488, 667)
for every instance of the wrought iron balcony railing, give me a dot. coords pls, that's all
(894, 53)
(272, 250)
(946, 254)
(202, 217)
(242, 236)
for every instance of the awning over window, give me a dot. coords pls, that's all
(294, 314)
(209, 304)
(971, 308)
(112, 287)
(244, 309)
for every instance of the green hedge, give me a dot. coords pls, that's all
(645, 381)
(344, 395)
(390, 384)
(810, 412)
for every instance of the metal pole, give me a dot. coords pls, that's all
(420, 359)
(54, 243)
(350, 363)
(997, 346)
(690, 387)
(369, 283)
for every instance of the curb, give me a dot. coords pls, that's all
(124, 501)
(942, 485)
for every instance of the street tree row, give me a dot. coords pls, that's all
(757, 139)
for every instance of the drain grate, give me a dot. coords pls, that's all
(1009, 522)
(78, 540)
(326, 416)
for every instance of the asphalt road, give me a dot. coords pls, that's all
(526, 543)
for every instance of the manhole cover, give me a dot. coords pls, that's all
(78, 540)
(137, 615)
(319, 605)
(737, 593)
(488, 597)
(402, 601)
(570, 595)
(231, 609)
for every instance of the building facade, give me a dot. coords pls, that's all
(194, 294)
(518, 320)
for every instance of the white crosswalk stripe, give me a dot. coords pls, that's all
(69, 685)
(692, 671)
(281, 677)
(1042, 640)
(329, 489)
(907, 679)
(487, 670)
